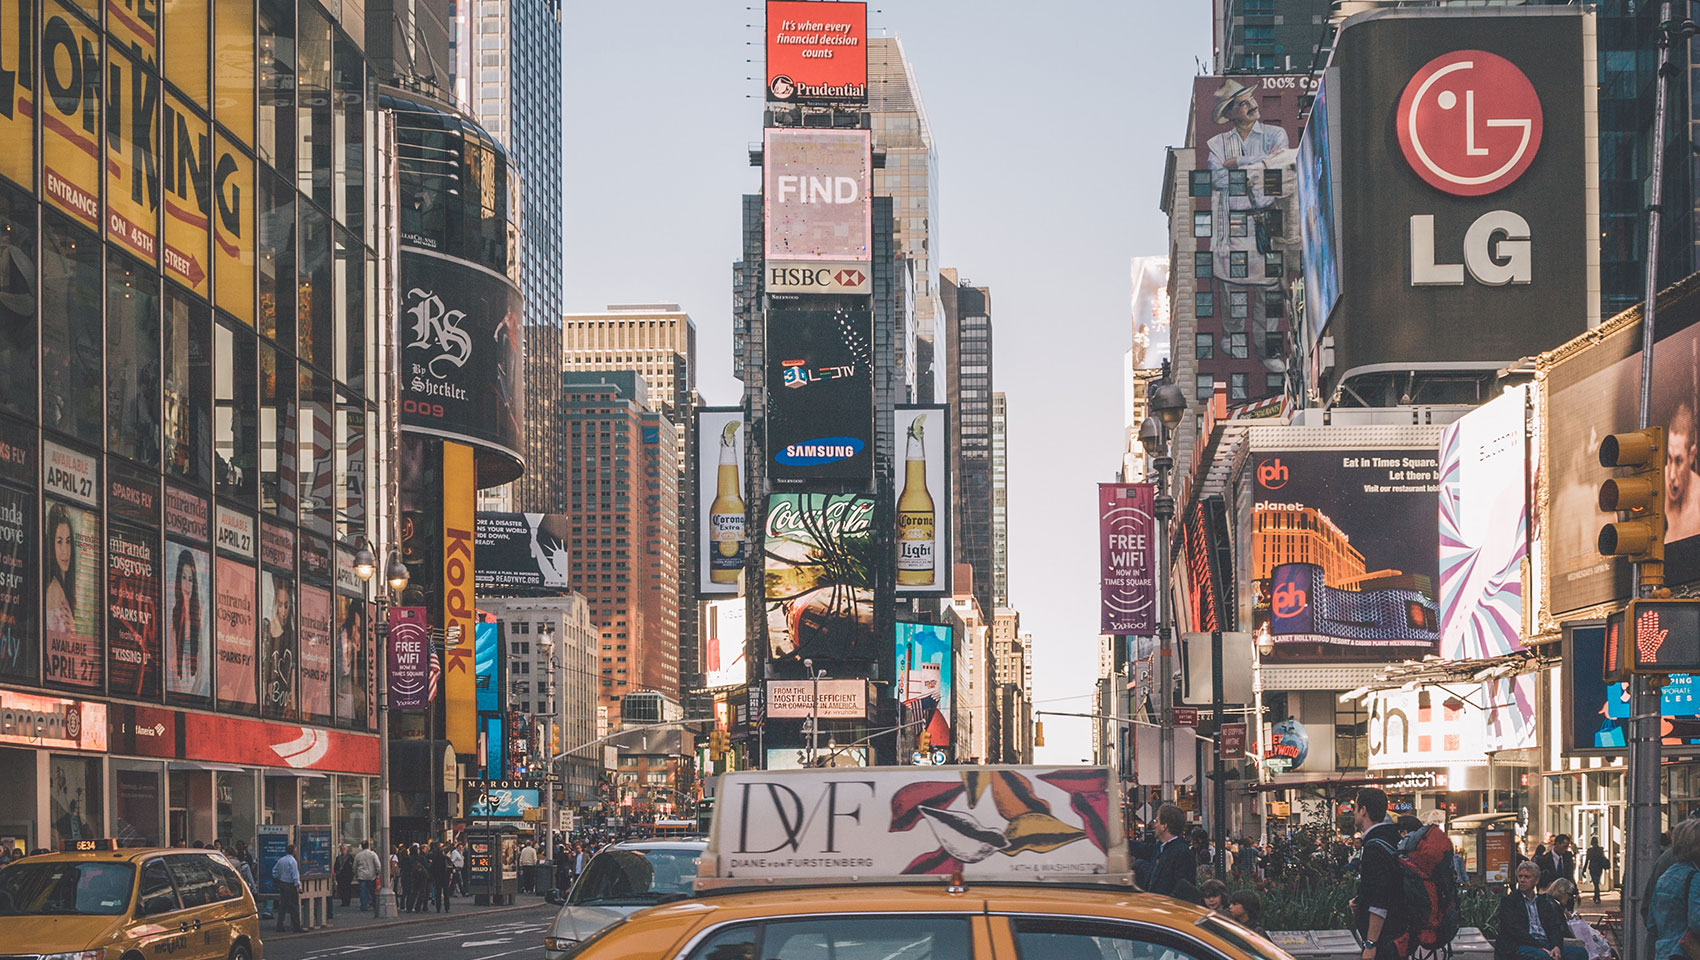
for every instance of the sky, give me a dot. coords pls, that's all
(1050, 124)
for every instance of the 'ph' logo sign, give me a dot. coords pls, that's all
(1469, 123)
(1272, 474)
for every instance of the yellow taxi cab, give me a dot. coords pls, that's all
(102, 903)
(920, 863)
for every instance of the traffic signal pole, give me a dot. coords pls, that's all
(1643, 771)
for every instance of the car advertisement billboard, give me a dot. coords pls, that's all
(1484, 526)
(1127, 559)
(925, 689)
(1245, 196)
(723, 654)
(820, 561)
(817, 195)
(722, 546)
(1345, 552)
(460, 353)
(523, 551)
(921, 493)
(1592, 393)
(1465, 175)
(817, 52)
(820, 418)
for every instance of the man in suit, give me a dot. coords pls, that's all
(1531, 924)
(1174, 869)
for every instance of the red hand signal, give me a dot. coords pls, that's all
(1648, 637)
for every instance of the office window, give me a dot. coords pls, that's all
(1274, 344)
(71, 378)
(1259, 34)
(1273, 302)
(1239, 303)
(1272, 183)
(1204, 385)
(1201, 265)
(18, 355)
(132, 351)
(1274, 384)
(1237, 386)
(1199, 183)
(1204, 304)
(1351, 736)
(1201, 223)
(1237, 346)
(1238, 225)
(1238, 263)
(1273, 264)
(1237, 183)
(1203, 346)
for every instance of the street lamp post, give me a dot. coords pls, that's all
(1156, 435)
(814, 707)
(365, 566)
(1264, 647)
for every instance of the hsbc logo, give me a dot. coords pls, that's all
(1469, 124)
(818, 277)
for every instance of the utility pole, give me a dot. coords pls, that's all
(1219, 773)
(1164, 508)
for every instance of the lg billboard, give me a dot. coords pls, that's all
(820, 392)
(1459, 167)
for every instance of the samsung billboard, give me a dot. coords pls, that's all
(1464, 171)
(820, 392)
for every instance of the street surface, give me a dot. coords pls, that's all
(470, 933)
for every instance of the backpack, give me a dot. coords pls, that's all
(1430, 897)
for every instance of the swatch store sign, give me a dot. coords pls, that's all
(1464, 164)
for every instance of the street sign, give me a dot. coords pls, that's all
(1232, 741)
(1278, 764)
(1185, 717)
(939, 758)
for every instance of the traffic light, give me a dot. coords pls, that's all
(554, 738)
(924, 742)
(1660, 637)
(1038, 733)
(1640, 497)
(1616, 663)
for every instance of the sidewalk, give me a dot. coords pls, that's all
(352, 918)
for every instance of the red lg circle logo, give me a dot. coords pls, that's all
(1469, 123)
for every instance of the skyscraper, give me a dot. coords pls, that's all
(659, 341)
(622, 492)
(910, 179)
(1268, 36)
(1000, 502)
(507, 59)
(968, 323)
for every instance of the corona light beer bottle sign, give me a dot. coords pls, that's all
(726, 514)
(723, 543)
(922, 502)
(916, 559)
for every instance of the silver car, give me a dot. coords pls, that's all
(622, 879)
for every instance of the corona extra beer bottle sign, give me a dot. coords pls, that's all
(916, 520)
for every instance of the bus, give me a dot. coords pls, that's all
(675, 829)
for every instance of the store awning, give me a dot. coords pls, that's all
(1483, 819)
(297, 774)
(176, 766)
(1321, 784)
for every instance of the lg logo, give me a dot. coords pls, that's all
(1469, 124)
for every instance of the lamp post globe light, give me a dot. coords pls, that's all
(1156, 435)
(396, 577)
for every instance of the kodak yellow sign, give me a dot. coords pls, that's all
(132, 162)
(233, 229)
(17, 90)
(70, 116)
(459, 682)
(185, 169)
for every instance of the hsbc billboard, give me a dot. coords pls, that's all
(1466, 197)
(819, 278)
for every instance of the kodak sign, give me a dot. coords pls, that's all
(459, 678)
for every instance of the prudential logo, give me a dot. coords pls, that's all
(812, 453)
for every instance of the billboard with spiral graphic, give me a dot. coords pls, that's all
(1484, 530)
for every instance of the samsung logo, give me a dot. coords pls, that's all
(823, 450)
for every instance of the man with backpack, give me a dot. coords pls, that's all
(1377, 909)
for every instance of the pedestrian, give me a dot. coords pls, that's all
(1674, 915)
(1531, 924)
(1589, 944)
(246, 872)
(396, 886)
(1171, 860)
(1376, 908)
(418, 878)
(286, 875)
(1245, 907)
(1213, 894)
(457, 863)
(527, 868)
(366, 870)
(1558, 862)
(441, 877)
(1596, 862)
(343, 871)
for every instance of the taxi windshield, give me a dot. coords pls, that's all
(633, 877)
(42, 887)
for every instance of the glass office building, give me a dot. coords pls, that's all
(185, 408)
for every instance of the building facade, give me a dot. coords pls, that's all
(188, 420)
(1000, 501)
(1268, 36)
(622, 500)
(968, 374)
(553, 654)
